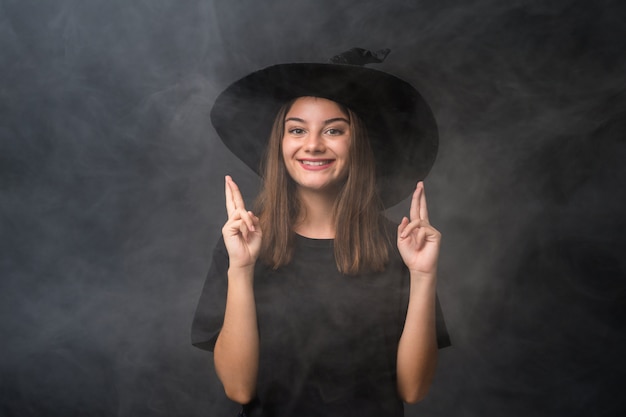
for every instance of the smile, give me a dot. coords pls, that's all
(317, 163)
(314, 164)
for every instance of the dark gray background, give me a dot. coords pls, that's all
(111, 193)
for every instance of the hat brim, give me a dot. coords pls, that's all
(400, 124)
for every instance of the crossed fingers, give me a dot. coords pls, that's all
(418, 212)
(237, 214)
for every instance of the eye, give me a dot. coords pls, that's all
(335, 132)
(296, 131)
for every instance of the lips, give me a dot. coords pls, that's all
(315, 164)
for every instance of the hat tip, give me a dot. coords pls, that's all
(360, 56)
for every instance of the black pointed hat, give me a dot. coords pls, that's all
(400, 124)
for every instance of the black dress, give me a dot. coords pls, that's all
(328, 341)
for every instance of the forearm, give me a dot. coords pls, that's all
(417, 350)
(236, 352)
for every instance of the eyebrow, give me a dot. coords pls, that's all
(326, 122)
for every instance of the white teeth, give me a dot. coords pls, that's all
(315, 163)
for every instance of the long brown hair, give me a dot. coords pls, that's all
(360, 243)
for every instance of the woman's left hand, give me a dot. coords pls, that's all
(418, 241)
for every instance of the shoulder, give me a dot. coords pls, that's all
(389, 231)
(219, 253)
(387, 226)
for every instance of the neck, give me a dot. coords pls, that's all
(316, 219)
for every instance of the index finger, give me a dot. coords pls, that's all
(423, 206)
(415, 210)
(234, 200)
(230, 204)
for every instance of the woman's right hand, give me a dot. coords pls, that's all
(242, 231)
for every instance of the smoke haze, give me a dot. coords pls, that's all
(111, 193)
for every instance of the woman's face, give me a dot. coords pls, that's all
(316, 144)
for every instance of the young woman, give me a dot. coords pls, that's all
(314, 304)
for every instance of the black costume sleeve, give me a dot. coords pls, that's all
(209, 316)
(443, 338)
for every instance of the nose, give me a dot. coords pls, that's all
(314, 143)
